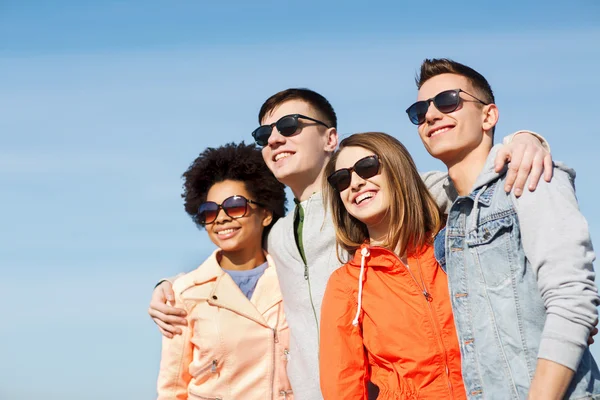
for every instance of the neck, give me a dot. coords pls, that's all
(312, 183)
(242, 260)
(378, 234)
(465, 169)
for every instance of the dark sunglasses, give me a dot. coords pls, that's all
(235, 207)
(366, 168)
(446, 101)
(287, 126)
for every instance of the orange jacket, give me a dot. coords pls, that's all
(403, 341)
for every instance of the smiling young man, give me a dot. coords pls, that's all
(298, 133)
(519, 269)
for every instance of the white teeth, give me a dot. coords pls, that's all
(364, 196)
(226, 231)
(440, 131)
(282, 155)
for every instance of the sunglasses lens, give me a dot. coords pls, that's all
(287, 126)
(261, 134)
(367, 167)
(235, 206)
(207, 212)
(340, 180)
(447, 101)
(417, 112)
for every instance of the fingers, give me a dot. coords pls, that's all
(527, 164)
(548, 167)
(164, 315)
(524, 168)
(513, 169)
(167, 324)
(167, 290)
(537, 168)
(502, 158)
(592, 334)
(166, 329)
(165, 333)
(167, 313)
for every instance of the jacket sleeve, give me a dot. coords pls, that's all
(557, 243)
(173, 376)
(441, 187)
(344, 369)
(508, 139)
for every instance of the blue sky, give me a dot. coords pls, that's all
(105, 104)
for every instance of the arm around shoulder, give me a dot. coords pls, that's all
(557, 243)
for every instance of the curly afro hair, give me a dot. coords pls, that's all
(236, 162)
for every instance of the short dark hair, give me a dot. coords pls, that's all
(314, 99)
(236, 162)
(437, 66)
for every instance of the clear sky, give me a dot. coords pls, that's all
(103, 105)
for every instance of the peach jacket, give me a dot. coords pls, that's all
(232, 348)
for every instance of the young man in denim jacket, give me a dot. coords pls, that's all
(519, 269)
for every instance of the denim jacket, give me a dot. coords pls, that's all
(521, 284)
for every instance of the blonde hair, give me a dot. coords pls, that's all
(415, 216)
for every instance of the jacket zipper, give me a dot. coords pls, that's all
(434, 322)
(307, 279)
(275, 340)
(212, 366)
(274, 347)
(285, 393)
(441, 343)
(312, 304)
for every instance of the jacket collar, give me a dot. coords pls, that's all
(227, 294)
(381, 258)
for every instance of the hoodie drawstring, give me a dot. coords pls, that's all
(474, 222)
(364, 253)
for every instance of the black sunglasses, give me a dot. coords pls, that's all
(366, 168)
(286, 125)
(446, 101)
(235, 207)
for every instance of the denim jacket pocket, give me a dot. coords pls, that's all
(491, 244)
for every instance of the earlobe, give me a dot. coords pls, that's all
(268, 218)
(332, 140)
(490, 118)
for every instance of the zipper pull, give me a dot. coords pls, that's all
(275, 335)
(305, 272)
(213, 367)
(428, 297)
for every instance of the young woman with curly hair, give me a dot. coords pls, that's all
(234, 345)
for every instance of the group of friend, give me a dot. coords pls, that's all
(383, 283)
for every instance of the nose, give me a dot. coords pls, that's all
(432, 114)
(275, 137)
(356, 181)
(222, 216)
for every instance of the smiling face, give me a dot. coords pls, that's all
(236, 235)
(451, 137)
(298, 160)
(365, 199)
